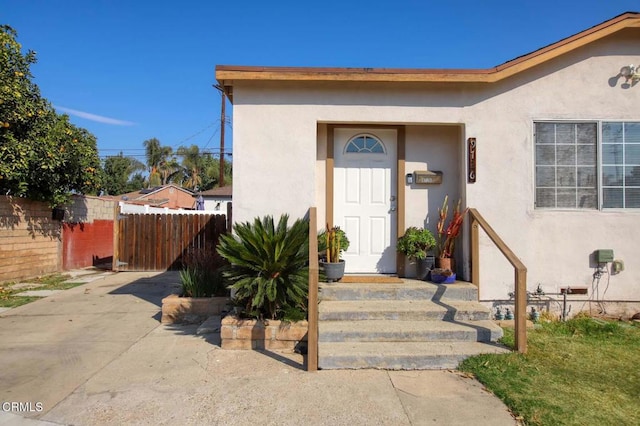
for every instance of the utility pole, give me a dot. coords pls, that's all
(222, 124)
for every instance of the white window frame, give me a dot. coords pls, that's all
(365, 152)
(623, 165)
(599, 154)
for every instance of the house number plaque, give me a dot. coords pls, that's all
(427, 177)
(471, 145)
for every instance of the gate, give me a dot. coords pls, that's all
(157, 241)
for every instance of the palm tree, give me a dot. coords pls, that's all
(157, 155)
(168, 169)
(192, 165)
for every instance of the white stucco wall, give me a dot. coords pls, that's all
(216, 204)
(279, 168)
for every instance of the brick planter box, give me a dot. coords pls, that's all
(249, 334)
(176, 309)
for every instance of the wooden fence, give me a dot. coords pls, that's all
(157, 242)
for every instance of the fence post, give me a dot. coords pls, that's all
(521, 311)
(229, 217)
(475, 253)
(116, 237)
(312, 332)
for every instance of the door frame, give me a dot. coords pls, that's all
(400, 180)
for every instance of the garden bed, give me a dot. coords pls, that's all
(176, 309)
(248, 334)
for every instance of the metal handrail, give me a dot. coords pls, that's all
(520, 311)
(312, 310)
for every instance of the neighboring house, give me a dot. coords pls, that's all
(167, 196)
(217, 198)
(557, 166)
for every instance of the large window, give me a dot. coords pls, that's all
(568, 157)
(566, 166)
(621, 165)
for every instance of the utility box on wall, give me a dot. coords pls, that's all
(604, 255)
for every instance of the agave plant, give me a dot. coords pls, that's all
(269, 265)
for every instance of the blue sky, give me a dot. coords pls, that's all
(131, 70)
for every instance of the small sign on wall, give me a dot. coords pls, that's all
(471, 159)
(427, 177)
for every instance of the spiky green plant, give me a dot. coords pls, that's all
(332, 242)
(269, 265)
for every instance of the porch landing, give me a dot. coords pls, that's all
(413, 325)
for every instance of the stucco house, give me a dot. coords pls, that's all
(216, 199)
(545, 146)
(166, 196)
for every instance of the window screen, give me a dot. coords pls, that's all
(621, 165)
(566, 165)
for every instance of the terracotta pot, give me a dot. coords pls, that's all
(445, 263)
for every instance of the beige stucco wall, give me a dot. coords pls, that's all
(278, 163)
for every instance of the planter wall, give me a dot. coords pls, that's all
(250, 334)
(176, 309)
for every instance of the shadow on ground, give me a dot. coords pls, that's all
(152, 289)
(214, 340)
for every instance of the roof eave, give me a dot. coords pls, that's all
(228, 75)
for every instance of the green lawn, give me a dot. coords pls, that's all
(9, 298)
(585, 371)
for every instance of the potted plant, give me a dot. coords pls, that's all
(269, 269)
(442, 276)
(331, 243)
(416, 243)
(447, 234)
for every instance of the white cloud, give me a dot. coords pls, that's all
(94, 117)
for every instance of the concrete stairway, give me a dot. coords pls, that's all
(411, 326)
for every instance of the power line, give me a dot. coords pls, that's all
(210, 151)
(178, 144)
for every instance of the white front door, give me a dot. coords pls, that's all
(365, 197)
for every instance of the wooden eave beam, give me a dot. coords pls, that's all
(228, 75)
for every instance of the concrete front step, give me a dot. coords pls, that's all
(409, 290)
(403, 310)
(400, 355)
(408, 331)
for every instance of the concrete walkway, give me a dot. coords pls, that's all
(97, 354)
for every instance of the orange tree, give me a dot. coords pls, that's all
(42, 155)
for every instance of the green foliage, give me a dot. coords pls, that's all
(195, 170)
(210, 172)
(8, 294)
(160, 161)
(136, 183)
(331, 243)
(119, 171)
(416, 243)
(292, 314)
(193, 282)
(42, 155)
(585, 361)
(269, 265)
(192, 165)
(201, 275)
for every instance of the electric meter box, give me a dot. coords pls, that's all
(604, 256)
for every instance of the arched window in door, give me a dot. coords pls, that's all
(365, 143)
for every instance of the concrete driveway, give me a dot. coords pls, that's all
(97, 354)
